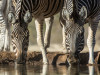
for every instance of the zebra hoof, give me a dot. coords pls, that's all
(45, 62)
(91, 62)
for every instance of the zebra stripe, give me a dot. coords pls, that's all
(92, 6)
(48, 7)
(84, 11)
(40, 10)
(4, 26)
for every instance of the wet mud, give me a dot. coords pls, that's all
(35, 58)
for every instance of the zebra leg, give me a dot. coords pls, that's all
(2, 24)
(2, 32)
(40, 40)
(91, 39)
(63, 43)
(49, 22)
(7, 38)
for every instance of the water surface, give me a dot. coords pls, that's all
(48, 70)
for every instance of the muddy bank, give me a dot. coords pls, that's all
(34, 58)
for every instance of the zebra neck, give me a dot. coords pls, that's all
(18, 8)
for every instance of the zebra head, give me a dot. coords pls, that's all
(74, 31)
(20, 41)
(20, 34)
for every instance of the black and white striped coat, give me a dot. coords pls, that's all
(24, 12)
(4, 25)
(74, 15)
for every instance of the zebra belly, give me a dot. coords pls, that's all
(51, 8)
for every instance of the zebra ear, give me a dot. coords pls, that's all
(83, 12)
(11, 17)
(67, 9)
(27, 17)
(65, 14)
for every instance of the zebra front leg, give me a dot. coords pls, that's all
(7, 38)
(49, 22)
(40, 40)
(91, 40)
(63, 43)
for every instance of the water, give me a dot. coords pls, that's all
(48, 70)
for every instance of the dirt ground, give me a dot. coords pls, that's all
(55, 58)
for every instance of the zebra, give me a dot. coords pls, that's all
(24, 12)
(74, 15)
(4, 26)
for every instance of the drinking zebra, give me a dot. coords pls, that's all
(24, 12)
(74, 15)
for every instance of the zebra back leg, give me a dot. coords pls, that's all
(91, 38)
(49, 22)
(40, 40)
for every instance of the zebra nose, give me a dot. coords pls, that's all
(18, 54)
